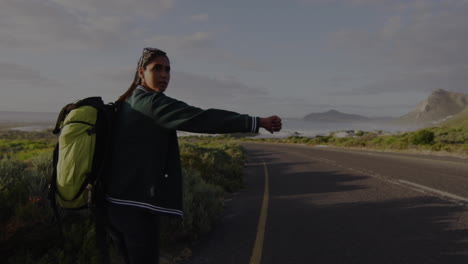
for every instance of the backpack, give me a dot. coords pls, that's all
(81, 157)
(81, 153)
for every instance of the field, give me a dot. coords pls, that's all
(28, 233)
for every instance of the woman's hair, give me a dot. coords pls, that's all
(149, 54)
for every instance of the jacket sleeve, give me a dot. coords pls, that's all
(173, 114)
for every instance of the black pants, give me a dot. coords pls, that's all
(135, 233)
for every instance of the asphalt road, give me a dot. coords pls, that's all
(307, 204)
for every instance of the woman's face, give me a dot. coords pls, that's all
(157, 74)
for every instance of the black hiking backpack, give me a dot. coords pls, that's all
(81, 155)
(80, 160)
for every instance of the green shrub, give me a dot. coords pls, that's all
(210, 169)
(203, 204)
(13, 189)
(447, 148)
(17, 134)
(340, 141)
(297, 140)
(24, 148)
(369, 136)
(322, 139)
(219, 164)
(19, 185)
(78, 244)
(38, 175)
(437, 146)
(389, 140)
(422, 137)
(377, 140)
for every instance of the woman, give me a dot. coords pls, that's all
(146, 177)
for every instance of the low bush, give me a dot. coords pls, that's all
(13, 188)
(297, 140)
(321, 139)
(360, 133)
(203, 204)
(24, 149)
(220, 164)
(422, 137)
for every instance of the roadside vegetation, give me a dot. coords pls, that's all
(436, 140)
(212, 167)
(446, 140)
(212, 170)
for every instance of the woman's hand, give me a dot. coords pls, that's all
(272, 123)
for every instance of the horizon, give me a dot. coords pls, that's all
(364, 57)
(53, 114)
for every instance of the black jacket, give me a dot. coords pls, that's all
(146, 170)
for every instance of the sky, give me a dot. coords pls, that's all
(266, 57)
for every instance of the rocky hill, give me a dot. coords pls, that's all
(438, 106)
(334, 116)
(458, 120)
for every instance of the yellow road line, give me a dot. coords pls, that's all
(256, 257)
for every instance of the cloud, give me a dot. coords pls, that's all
(26, 89)
(71, 25)
(423, 46)
(454, 79)
(23, 76)
(186, 44)
(113, 75)
(396, 4)
(38, 93)
(203, 91)
(234, 95)
(200, 17)
(412, 30)
(202, 45)
(148, 9)
(386, 3)
(193, 87)
(202, 85)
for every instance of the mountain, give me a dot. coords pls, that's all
(458, 120)
(334, 116)
(439, 105)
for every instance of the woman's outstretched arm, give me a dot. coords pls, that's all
(173, 114)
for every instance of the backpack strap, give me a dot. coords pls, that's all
(60, 119)
(53, 189)
(103, 130)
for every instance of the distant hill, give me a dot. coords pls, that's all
(438, 106)
(334, 116)
(458, 120)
